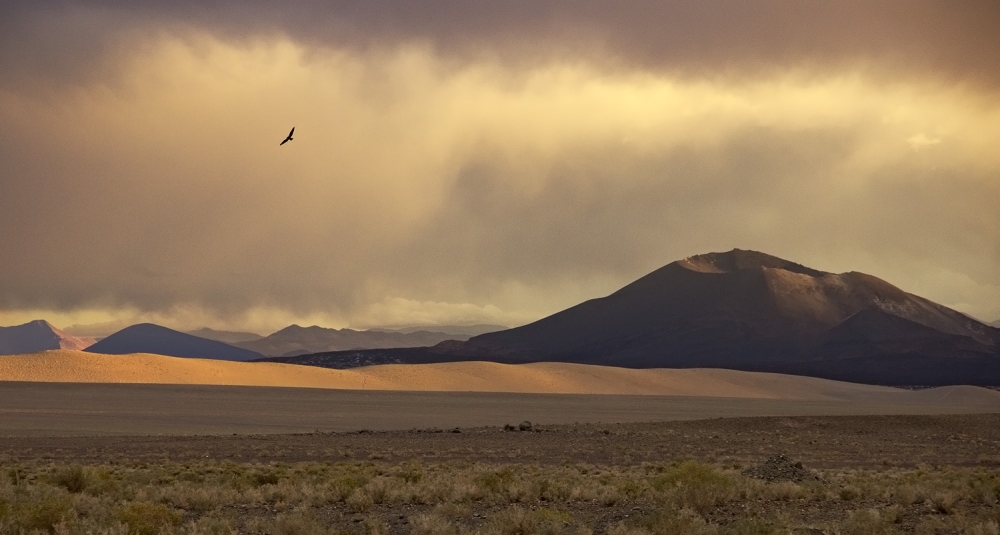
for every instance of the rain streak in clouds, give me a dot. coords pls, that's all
(455, 163)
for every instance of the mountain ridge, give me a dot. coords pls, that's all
(296, 340)
(742, 310)
(227, 337)
(38, 335)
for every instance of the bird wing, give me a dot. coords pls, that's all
(290, 133)
(283, 142)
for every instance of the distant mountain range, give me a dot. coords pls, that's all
(742, 310)
(465, 331)
(229, 337)
(150, 338)
(996, 323)
(296, 340)
(38, 335)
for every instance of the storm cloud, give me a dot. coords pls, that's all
(455, 162)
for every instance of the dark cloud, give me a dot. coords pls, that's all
(952, 40)
(457, 156)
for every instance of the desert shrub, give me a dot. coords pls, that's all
(209, 526)
(411, 472)
(695, 485)
(73, 478)
(265, 477)
(629, 488)
(665, 522)
(432, 524)
(869, 522)
(452, 510)
(943, 502)
(341, 487)
(849, 493)
(561, 490)
(42, 510)
(145, 518)
(360, 501)
(378, 488)
(784, 491)
(608, 496)
(496, 482)
(101, 482)
(374, 526)
(690, 473)
(519, 521)
(296, 523)
(197, 498)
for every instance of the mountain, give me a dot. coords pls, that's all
(296, 340)
(462, 331)
(229, 337)
(150, 338)
(38, 335)
(744, 310)
(996, 324)
(739, 308)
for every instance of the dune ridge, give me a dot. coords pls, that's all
(476, 376)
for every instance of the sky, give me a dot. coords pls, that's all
(462, 162)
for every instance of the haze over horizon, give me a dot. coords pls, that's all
(458, 163)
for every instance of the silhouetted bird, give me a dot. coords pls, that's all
(289, 138)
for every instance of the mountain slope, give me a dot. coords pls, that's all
(295, 340)
(38, 335)
(227, 337)
(740, 309)
(150, 338)
(460, 332)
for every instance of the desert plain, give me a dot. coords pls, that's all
(95, 443)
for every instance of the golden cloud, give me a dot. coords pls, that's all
(441, 190)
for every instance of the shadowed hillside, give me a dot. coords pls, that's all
(38, 335)
(296, 340)
(750, 311)
(150, 338)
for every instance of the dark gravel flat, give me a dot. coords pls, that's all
(74, 409)
(819, 441)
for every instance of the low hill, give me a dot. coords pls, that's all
(38, 335)
(296, 340)
(150, 338)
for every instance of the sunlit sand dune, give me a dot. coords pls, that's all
(80, 367)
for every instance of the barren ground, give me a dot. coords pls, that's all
(694, 472)
(820, 441)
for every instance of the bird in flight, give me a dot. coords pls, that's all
(289, 138)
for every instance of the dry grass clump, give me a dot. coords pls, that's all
(368, 498)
